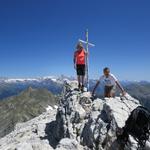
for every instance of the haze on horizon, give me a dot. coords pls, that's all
(38, 37)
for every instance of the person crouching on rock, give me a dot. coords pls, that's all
(79, 64)
(110, 82)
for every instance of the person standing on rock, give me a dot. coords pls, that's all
(79, 65)
(110, 82)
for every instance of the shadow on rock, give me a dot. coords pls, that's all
(50, 132)
(54, 131)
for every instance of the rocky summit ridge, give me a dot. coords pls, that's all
(79, 123)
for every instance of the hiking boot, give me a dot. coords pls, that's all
(82, 88)
(79, 87)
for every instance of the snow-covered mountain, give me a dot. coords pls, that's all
(11, 87)
(58, 79)
(78, 124)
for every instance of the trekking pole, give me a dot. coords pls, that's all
(87, 60)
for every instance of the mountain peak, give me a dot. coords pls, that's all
(78, 123)
(30, 89)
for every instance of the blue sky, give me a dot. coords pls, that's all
(38, 37)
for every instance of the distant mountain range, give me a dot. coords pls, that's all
(141, 91)
(23, 99)
(11, 87)
(23, 107)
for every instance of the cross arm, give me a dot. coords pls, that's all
(86, 42)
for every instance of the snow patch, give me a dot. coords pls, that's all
(49, 108)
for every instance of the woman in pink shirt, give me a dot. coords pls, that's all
(79, 65)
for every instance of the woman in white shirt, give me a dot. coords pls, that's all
(110, 82)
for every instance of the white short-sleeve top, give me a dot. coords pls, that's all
(108, 81)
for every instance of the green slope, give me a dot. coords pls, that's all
(23, 107)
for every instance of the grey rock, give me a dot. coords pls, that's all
(69, 144)
(78, 124)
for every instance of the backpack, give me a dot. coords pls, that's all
(138, 126)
